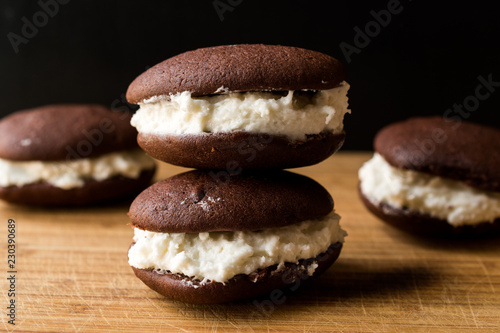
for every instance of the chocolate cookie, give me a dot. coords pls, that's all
(205, 201)
(186, 289)
(425, 225)
(238, 68)
(201, 237)
(254, 106)
(462, 151)
(65, 132)
(436, 177)
(93, 192)
(70, 155)
(240, 150)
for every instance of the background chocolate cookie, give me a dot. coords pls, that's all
(457, 150)
(426, 225)
(65, 132)
(205, 241)
(61, 155)
(435, 176)
(209, 107)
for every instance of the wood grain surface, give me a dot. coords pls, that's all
(73, 276)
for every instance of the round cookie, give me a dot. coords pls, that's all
(238, 68)
(238, 150)
(64, 132)
(426, 225)
(249, 202)
(200, 238)
(462, 151)
(180, 287)
(93, 192)
(70, 155)
(435, 176)
(254, 106)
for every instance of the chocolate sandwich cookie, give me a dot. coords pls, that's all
(242, 106)
(199, 239)
(60, 155)
(435, 176)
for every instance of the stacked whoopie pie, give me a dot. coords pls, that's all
(70, 155)
(239, 226)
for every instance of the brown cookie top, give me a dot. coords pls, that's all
(205, 201)
(64, 132)
(457, 150)
(238, 68)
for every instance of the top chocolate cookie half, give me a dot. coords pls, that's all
(206, 201)
(457, 150)
(238, 68)
(65, 132)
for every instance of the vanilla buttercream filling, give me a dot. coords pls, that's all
(219, 256)
(291, 115)
(446, 199)
(74, 173)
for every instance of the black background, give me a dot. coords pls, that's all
(425, 60)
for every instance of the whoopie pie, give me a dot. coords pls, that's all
(242, 106)
(60, 155)
(200, 239)
(435, 176)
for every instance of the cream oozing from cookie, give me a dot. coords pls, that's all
(219, 256)
(292, 115)
(446, 199)
(74, 173)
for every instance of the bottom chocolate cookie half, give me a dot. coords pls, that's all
(235, 150)
(183, 288)
(93, 192)
(426, 225)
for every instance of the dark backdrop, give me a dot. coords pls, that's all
(424, 59)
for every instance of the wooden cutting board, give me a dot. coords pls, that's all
(73, 276)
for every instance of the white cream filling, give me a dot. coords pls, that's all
(439, 197)
(253, 112)
(73, 174)
(219, 256)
